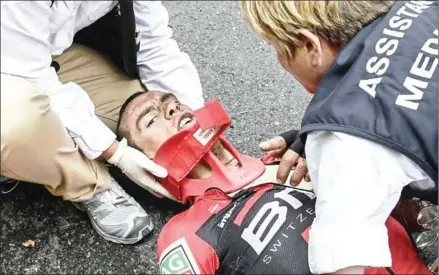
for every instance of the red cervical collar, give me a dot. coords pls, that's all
(181, 152)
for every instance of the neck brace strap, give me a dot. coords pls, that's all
(184, 150)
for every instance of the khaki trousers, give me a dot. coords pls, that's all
(35, 147)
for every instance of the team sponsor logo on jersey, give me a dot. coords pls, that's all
(178, 259)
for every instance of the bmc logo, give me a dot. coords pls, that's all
(178, 259)
(271, 217)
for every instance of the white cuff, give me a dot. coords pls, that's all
(332, 249)
(77, 113)
(94, 138)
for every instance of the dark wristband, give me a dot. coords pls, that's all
(298, 147)
(290, 136)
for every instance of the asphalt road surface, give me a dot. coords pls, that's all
(236, 68)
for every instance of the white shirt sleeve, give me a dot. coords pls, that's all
(26, 52)
(162, 66)
(357, 183)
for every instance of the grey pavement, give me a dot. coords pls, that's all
(236, 68)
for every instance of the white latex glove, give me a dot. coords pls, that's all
(137, 166)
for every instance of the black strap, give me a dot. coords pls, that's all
(129, 45)
(390, 271)
(114, 36)
(53, 1)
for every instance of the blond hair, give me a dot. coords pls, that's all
(335, 21)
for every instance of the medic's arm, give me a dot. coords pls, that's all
(26, 52)
(162, 66)
(357, 184)
(181, 251)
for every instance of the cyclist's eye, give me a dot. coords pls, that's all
(151, 122)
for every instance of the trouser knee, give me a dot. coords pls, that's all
(36, 147)
(22, 106)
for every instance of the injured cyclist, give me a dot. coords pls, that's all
(238, 222)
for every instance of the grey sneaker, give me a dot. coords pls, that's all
(116, 216)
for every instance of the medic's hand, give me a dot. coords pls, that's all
(289, 148)
(137, 166)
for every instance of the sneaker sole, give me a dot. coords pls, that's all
(142, 233)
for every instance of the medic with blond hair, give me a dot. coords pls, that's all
(371, 129)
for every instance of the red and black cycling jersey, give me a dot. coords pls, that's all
(261, 230)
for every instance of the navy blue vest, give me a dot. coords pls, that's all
(383, 86)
